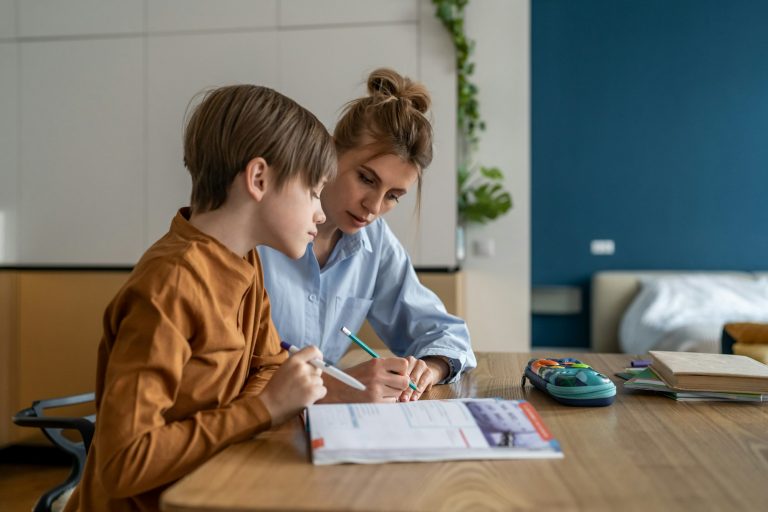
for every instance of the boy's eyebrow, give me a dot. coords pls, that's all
(376, 178)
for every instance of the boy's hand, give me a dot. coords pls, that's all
(294, 386)
(425, 373)
(385, 379)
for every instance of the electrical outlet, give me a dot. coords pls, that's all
(485, 247)
(602, 247)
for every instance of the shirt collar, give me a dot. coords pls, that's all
(232, 265)
(349, 245)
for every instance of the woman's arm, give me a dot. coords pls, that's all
(410, 318)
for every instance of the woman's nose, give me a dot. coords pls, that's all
(372, 203)
(319, 216)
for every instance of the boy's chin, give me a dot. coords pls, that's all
(294, 252)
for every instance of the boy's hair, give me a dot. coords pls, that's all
(235, 124)
(392, 118)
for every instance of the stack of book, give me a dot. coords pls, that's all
(692, 376)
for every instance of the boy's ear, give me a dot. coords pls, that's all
(256, 177)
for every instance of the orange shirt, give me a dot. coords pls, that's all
(188, 344)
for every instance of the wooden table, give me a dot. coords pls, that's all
(644, 452)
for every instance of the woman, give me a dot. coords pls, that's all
(357, 269)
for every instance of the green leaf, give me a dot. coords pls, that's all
(492, 173)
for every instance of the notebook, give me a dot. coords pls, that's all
(428, 430)
(693, 371)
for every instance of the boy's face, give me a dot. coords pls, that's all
(365, 188)
(292, 217)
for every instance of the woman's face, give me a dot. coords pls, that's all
(365, 187)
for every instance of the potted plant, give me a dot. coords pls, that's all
(481, 194)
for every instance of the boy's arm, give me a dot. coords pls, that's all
(137, 447)
(267, 353)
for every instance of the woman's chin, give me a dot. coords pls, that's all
(350, 229)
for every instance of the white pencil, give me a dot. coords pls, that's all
(327, 368)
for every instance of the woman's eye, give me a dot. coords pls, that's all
(365, 179)
(393, 197)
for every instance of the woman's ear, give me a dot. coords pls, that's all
(257, 174)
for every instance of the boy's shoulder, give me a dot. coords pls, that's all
(182, 264)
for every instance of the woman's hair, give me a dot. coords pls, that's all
(235, 124)
(392, 118)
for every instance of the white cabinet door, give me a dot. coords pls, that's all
(179, 68)
(9, 122)
(82, 152)
(42, 18)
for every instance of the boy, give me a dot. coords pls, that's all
(190, 361)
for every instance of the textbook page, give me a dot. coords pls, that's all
(428, 430)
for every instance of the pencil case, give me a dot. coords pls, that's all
(570, 382)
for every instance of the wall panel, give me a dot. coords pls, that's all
(175, 76)
(44, 18)
(82, 152)
(334, 12)
(7, 19)
(9, 151)
(171, 15)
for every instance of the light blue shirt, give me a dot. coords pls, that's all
(368, 275)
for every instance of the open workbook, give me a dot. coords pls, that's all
(428, 430)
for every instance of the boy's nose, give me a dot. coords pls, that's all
(319, 216)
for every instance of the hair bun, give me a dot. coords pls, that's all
(389, 85)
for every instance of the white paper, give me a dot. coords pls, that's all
(428, 430)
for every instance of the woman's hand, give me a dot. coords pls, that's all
(384, 378)
(425, 373)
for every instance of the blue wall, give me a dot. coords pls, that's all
(649, 127)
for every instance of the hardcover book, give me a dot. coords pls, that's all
(693, 371)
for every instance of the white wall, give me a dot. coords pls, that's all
(156, 54)
(498, 287)
(93, 94)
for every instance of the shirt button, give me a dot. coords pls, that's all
(312, 297)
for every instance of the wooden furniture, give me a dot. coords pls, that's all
(644, 451)
(49, 333)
